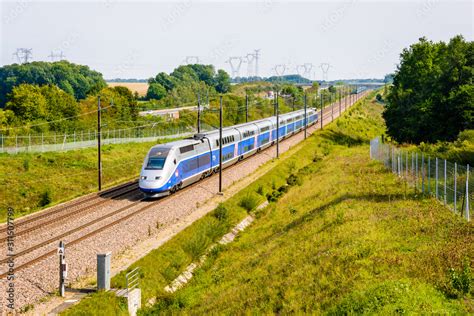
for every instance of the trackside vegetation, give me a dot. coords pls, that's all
(341, 235)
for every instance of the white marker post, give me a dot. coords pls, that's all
(62, 268)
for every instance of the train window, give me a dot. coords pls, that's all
(204, 160)
(248, 134)
(186, 149)
(264, 129)
(155, 163)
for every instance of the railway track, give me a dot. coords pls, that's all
(114, 193)
(37, 221)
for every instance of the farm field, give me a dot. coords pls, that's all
(341, 235)
(139, 87)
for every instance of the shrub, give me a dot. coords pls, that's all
(45, 198)
(260, 190)
(26, 164)
(249, 202)
(459, 282)
(221, 213)
(294, 179)
(196, 246)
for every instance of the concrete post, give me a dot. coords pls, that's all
(103, 271)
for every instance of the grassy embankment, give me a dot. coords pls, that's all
(345, 236)
(32, 181)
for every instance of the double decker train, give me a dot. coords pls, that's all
(172, 166)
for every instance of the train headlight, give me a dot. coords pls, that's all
(157, 178)
(143, 178)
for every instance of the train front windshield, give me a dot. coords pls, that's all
(157, 158)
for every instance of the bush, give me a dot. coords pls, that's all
(45, 198)
(459, 282)
(260, 190)
(196, 246)
(249, 202)
(26, 164)
(294, 179)
(221, 213)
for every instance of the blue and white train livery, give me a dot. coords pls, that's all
(172, 166)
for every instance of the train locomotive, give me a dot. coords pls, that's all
(172, 166)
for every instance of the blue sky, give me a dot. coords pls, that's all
(360, 39)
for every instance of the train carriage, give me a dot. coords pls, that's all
(169, 167)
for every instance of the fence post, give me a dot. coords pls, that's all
(422, 173)
(416, 171)
(29, 142)
(16, 144)
(406, 167)
(429, 175)
(467, 194)
(445, 198)
(436, 178)
(455, 185)
(398, 165)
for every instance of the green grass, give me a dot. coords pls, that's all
(342, 235)
(104, 303)
(32, 181)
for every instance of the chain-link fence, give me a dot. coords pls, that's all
(449, 182)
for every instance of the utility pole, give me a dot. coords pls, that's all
(345, 98)
(322, 109)
(278, 127)
(305, 121)
(98, 144)
(246, 108)
(199, 113)
(293, 105)
(220, 145)
(332, 106)
(339, 102)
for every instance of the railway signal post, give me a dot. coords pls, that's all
(99, 158)
(220, 145)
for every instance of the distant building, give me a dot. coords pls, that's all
(168, 114)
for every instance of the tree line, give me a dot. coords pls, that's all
(186, 82)
(432, 96)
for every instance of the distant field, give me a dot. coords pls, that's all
(140, 87)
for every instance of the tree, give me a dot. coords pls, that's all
(27, 103)
(156, 91)
(76, 80)
(222, 80)
(432, 97)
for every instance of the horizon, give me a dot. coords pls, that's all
(138, 40)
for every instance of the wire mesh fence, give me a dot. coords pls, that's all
(449, 182)
(84, 139)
